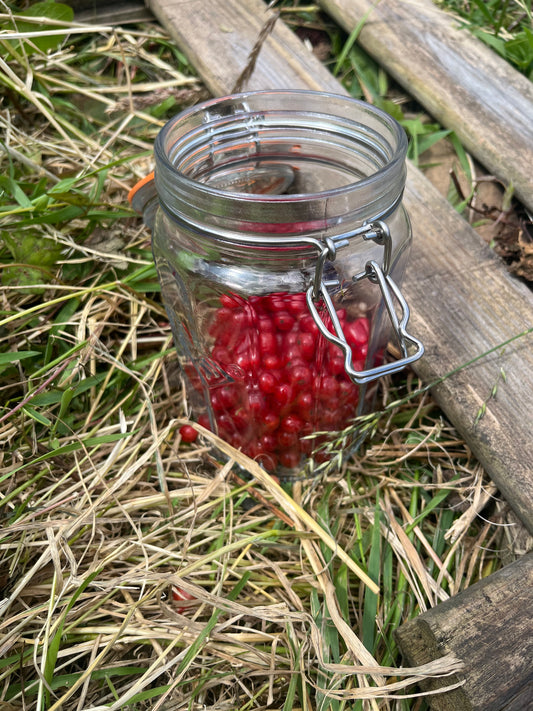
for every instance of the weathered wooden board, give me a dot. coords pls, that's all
(463, 301)
(489, 627)
(110, 12)
(463, 304)
(218, 37)
(459, 80)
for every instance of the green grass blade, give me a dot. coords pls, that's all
(354, 34)
(371, 599)
(53, 648)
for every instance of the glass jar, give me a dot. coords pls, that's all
(279, 238)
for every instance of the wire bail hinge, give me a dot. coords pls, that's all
(393, 299)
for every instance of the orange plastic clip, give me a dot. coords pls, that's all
(143, 199)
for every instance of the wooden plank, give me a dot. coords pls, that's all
(463, 304)
(110, 12)
(463, 301)
(218, 37)
(458, 79)
(490, 629)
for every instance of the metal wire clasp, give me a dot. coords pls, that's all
(392, 298)
(377, 231)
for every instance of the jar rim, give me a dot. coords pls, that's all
(383, 185)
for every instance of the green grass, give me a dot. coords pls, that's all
(103, 509)
(504, 25)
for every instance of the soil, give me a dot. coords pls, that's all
(491, 210)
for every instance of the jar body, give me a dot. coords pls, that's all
(251, 188)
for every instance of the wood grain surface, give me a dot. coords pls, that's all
(218, 37)
(490, 629)
(463, 301)
(457, 78)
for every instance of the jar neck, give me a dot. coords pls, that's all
(251, 166)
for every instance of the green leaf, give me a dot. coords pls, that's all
(147, 695)
(160, 110)
(462, 156)
(53, 647)
(62, 214)
(289, 703)
(24, 276)
(64, 185)
(31, 247)
(342, 585)
(61, 320)
(14, 658)
(7, 360)
(61, 681)
(34, 254)
(58, 12)
(496, 43)
(147, 287)
(482, 6)
(41, 419)
(437, 499)
(393, 109)
(66, 399)
(520, 49)
(73, 198)
(371, 599)
(13, 357)
(354, 34)
(425, 142)
(12, 187)
(52, 397)
(51, 10)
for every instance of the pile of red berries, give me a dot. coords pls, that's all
(287, 381)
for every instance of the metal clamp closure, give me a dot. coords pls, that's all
(392, 298)
(377, 231)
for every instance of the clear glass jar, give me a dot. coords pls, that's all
(279, 237)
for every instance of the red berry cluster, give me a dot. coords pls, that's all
(288, 381)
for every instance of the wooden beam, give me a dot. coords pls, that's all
(218, 37)
(463, 301)
(110, 12)
(459, 80)
(489, 628)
